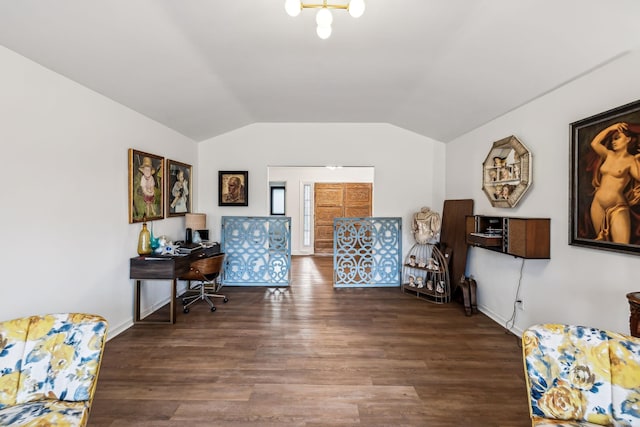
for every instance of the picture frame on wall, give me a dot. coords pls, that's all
(605, 180)
(146, 195)
(507, 172)
(233, 188)
(179, 188)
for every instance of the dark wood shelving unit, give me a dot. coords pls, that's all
(521, 237)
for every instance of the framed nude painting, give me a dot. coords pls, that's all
(178, 198)
(233, 188)
(605, 180)
(146, 194)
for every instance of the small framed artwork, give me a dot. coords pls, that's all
(605, 180)
(178, 188)
(506, 172)
(233, 188)
(146, 196)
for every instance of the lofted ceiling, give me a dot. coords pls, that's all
(439, 68)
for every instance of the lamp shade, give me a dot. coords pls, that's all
(324, 17)
(293, 7)
(356, 8)
(195, 221)
(323, 32)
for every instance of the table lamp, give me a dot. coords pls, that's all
(194, 222)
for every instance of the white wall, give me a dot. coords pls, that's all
(64, 222)
(296, 177)
(64, 217)
(409, 168)
(578, 285)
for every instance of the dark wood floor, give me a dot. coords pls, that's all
(311, 356)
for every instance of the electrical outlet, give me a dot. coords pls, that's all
(520, 304)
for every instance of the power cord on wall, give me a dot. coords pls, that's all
(516, 300)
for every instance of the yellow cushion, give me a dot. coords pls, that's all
(624, 352)
(568, 373)
(13, 334)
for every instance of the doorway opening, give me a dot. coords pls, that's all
(300, 183)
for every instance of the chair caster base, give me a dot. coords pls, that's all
(226, 300)
(213, 309)
(185, 310)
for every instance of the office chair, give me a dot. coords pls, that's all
(206, 271)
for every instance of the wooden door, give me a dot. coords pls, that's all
(335, 200)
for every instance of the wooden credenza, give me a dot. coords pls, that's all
(520, 237)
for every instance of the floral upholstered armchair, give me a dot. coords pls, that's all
(49, 368)
(580, 376)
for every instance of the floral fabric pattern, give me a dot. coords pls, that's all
(49, 367)
(13, 337)
(580, 376)
(554, 423)
(46, 413)
(625, 378)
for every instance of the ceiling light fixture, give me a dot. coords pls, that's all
(324, 17)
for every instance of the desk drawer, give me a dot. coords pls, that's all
(151, 268)
(166, 267)
(484, 240)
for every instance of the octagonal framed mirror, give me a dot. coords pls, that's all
(506, 172)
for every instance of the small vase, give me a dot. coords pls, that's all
(144, 241)
(154, 241)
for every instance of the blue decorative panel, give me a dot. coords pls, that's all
(258, 250)
(367, 252)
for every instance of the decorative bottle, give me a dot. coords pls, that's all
(144, 240)
(154, 241)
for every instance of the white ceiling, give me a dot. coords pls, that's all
(436, 67)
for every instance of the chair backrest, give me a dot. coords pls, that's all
(56, 356)
(205, 268)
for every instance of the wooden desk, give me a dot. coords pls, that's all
(163, 268)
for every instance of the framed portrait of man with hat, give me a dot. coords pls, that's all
(146, 193)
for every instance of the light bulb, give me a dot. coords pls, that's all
(293, 7)
(323, 32)
(324, 17)
(356, 8)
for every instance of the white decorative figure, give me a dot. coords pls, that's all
(426, 225)
(168, 249)
(419, 282)
(516, 171)
(412, 281)
(429, 285)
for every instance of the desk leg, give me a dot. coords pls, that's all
(172, 305)
(136, 302)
